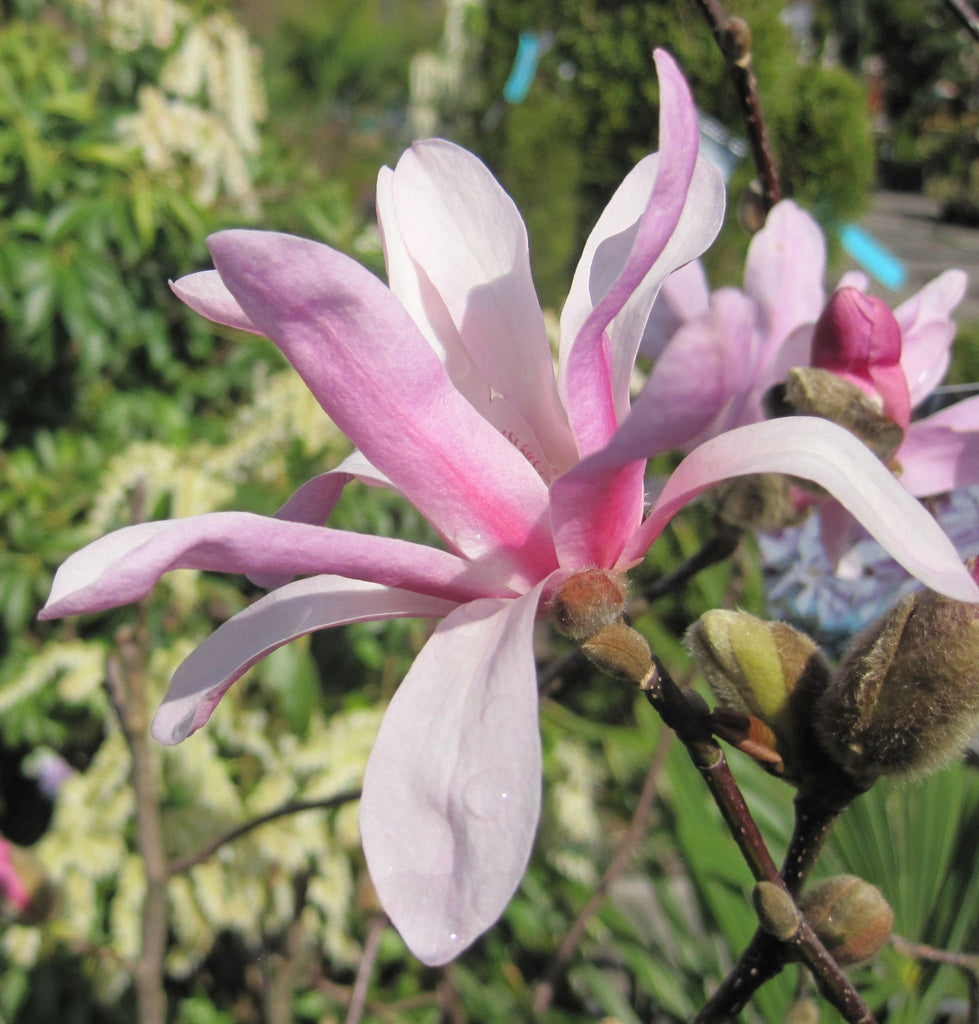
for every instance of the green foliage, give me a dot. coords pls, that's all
(599, 73)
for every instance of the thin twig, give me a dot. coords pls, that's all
(637, 829)
(719, 548)
(968, 963)
(966, 15)
(730, 35)
(293, 807)
(127, 692)
(687, 714)
(371, 945)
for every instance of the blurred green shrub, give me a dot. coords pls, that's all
(591, 114)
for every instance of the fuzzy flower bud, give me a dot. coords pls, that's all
(620, 651)
(759, 501)
(850, 916)
(765, 669)
(810, 391)
(905, 698)
(587, 601)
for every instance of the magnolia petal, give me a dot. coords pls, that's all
(452, 789)
(784, 273)
(468, 240)
(123, 566)
(684, 296)
(291, 611)
(316, 499)
(941, 452)
(372, 371)
(830, 456)
(594, 372)
(927, 331)
(705, 368)
(206, 294)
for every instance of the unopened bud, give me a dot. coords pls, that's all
(737, 41)
(850, 916)
(905, 698)
(803, 1011)
(752, 208)
(587, 601)
(809, 391)
(620, 651)
(776, 910)
(765, 669)
(760, 501)
(858, 339)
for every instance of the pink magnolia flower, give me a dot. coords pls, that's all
(718, 353)
(15, 892)
(444, 381)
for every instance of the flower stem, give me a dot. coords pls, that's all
(729, 34)
(686, 713)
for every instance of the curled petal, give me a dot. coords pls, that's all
(681, 216)
(123, 566)
(833, 458)
(206, 294)
(452, 788)
(291, 611)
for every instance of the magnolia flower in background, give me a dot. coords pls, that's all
(444, 381)
(720, 353)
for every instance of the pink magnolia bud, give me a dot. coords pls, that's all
(857, 338)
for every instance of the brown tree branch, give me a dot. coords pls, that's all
(292, 807)
(734, 40)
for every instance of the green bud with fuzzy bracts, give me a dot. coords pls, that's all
(765, 669)
(850, 916)
(905, 698)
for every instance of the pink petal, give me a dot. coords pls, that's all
(206, 294)
(316, 499)
(607, 253)
(467, 239)
(596, 372)
(702, 378)
(683, 297)
(372, 371)
(928, 330)
(292, 611)
(784, 273)
(830, 456)
(452, 789)
(941, 452)
(857, 338)
(123, 566)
